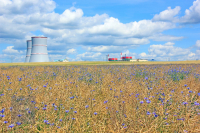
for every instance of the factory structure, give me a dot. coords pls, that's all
(37, 50)
(127, 58)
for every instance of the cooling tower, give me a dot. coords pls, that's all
(39, 50)
(28, 52)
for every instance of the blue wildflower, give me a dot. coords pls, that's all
(86, 106)
(148, 113)
(67, 111)
(18, 123)
(95, 113)
(11, 126)
(5, 122)
(105, 101)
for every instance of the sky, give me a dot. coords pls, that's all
(88, 30)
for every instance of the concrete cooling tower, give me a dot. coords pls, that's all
(28, 52)
(39, 50)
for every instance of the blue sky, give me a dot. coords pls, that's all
(89, 30)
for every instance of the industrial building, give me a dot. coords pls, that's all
(128, 58)
(28, 52)
(37, 50)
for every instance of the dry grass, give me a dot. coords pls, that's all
(99, 63)
(113, 94)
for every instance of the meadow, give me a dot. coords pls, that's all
(100, 98)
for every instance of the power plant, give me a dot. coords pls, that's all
(127, 58)
(37, 50)
(28, 52)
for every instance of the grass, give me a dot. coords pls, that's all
(100, 98)
(99, 63)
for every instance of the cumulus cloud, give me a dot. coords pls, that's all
(192, 15)
(197, 44)
(167, 15)
(89, 56)
(71, 51)
(10, 50)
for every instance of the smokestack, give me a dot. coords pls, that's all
(39, 49)
(28, 52)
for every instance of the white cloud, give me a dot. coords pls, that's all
(89, 56)
(197, 44)
(192, 15)
(71, 51)
(26, 6)
(10, 50)
(167, 15)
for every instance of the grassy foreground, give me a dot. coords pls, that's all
(99, 63)
(100, 98)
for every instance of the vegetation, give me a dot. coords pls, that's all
(100, 98)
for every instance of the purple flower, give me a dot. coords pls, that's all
(73, 118)
(2, 116)
(185, 85)
(198, 94)
(148, 113)
(95, 113)
(146, 78)
(18, 123)
(148, 101)
(5, 122)
(184, 103)
(105, 101)
(67, 111)
(125, 116)
(195, 103)
(19, 115)
(45, 121)
(155, 115)
(11, 126)
(141, 102)
(86, 106)
(75, 112)
(2, 111)
(44, 108)
(61, 120)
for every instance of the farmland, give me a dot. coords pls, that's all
(135, 97)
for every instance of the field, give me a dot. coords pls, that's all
(100, 97)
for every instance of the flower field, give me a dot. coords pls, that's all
(100, 98)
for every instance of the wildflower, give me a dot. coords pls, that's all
(71, 108)
(123, 101)
(67, 111)
(19, 115)
(195, 103)
(146, 78)
(148, 113)
(29, 111)
(148, 101)
(2, 116)
(155, 115)
(141, 102)
(75, 112)
(45, 121)
(86, 106)
(73, 118)
(105, 101)
(2, 111)
(185, 85)
(117, 111)
(198, 94)
(18, 123)
(5, 122)
(1, 94)
(106, 107)
(44, 108)
(61, 120)
(11, 126)
(185, 103)
(95, 113)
